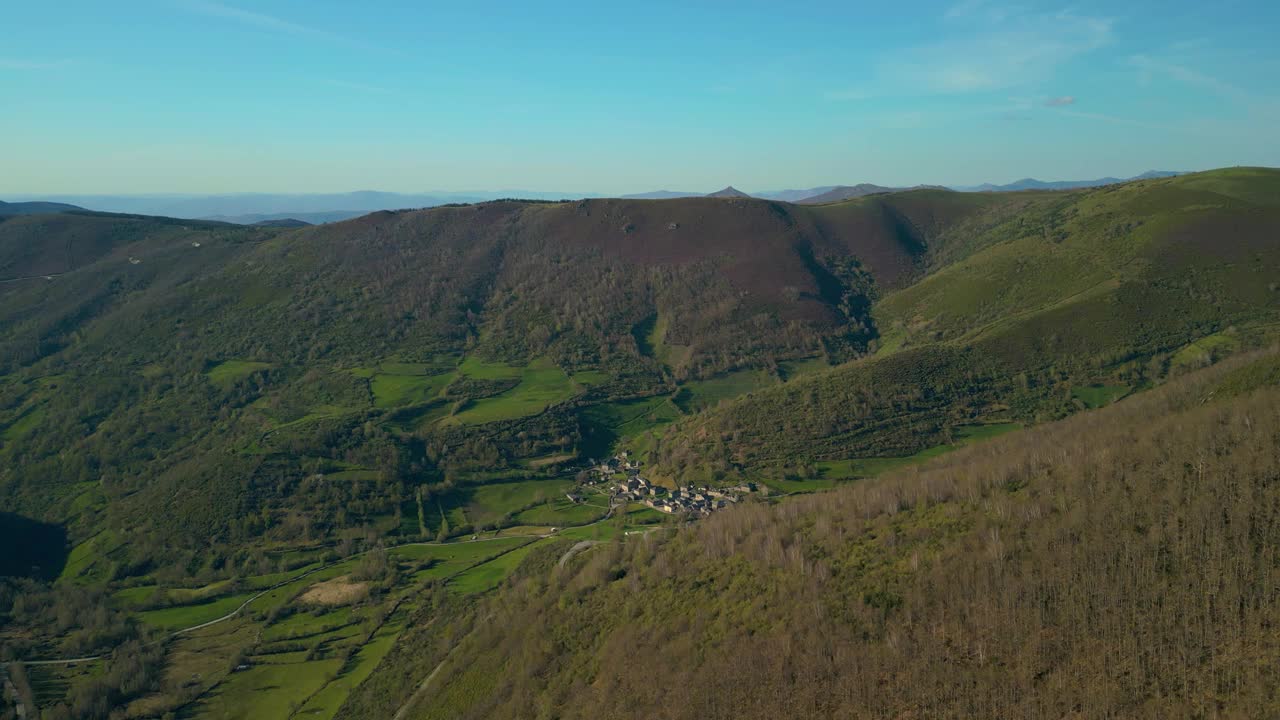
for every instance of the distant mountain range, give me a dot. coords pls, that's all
(816, 195)
(1033, 184)
(320, 208)
(34, 208)
(661, 195)
(848, 192)
(837, 193)
(247, 208)
(308, 218)
(796, 195)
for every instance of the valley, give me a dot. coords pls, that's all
(309, 472)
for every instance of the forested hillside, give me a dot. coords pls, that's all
(1111, 288)
(215, 367)
(253, 457)
(1121, 563)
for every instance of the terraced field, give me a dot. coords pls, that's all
(229, 372)
(281, 656)
(541, 384)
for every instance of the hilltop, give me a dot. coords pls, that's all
(1033, 184)
(811, 196)
(843, 192)
(848, 192)
(35, 208)
(728, 192)
(310, 218)
(282, 223)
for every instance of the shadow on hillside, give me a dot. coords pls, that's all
(33, 549)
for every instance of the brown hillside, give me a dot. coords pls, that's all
(1120, 564)
(734, 281)
(729, 277)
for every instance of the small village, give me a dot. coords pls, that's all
(620, 478)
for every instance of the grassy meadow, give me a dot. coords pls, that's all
(229, 372)
(541, 384)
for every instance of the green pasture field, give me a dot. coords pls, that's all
(542, 384)
(451, 558)
(86, 560)
(227, 373)
(324, 704)
(305, 624)
(1096, 396)
(28, 421)
(560, 512)
(488, 575)
(488, 503)
(482, 370)
(267, 691)
(391, 390)
(183, 616)
(700, 395)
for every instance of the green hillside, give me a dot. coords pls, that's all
(216, 368)
(1101, 566)
(1121, 287)
(308, 435)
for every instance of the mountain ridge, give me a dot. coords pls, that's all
(35, 207)
(1034, 184)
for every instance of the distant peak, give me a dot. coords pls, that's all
(729, 192)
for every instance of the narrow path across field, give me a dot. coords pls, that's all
(50, 276)
(421, 690)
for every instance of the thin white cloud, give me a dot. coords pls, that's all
(1192, 77)
(1060, 101)
(248, 17)
(1001, 48)
(271, 23)
(1257, 104)
(1116, 120)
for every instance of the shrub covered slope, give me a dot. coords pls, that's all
(1120, 563)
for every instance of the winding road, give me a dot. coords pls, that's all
(30, 277)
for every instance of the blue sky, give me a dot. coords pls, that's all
(328, 95)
